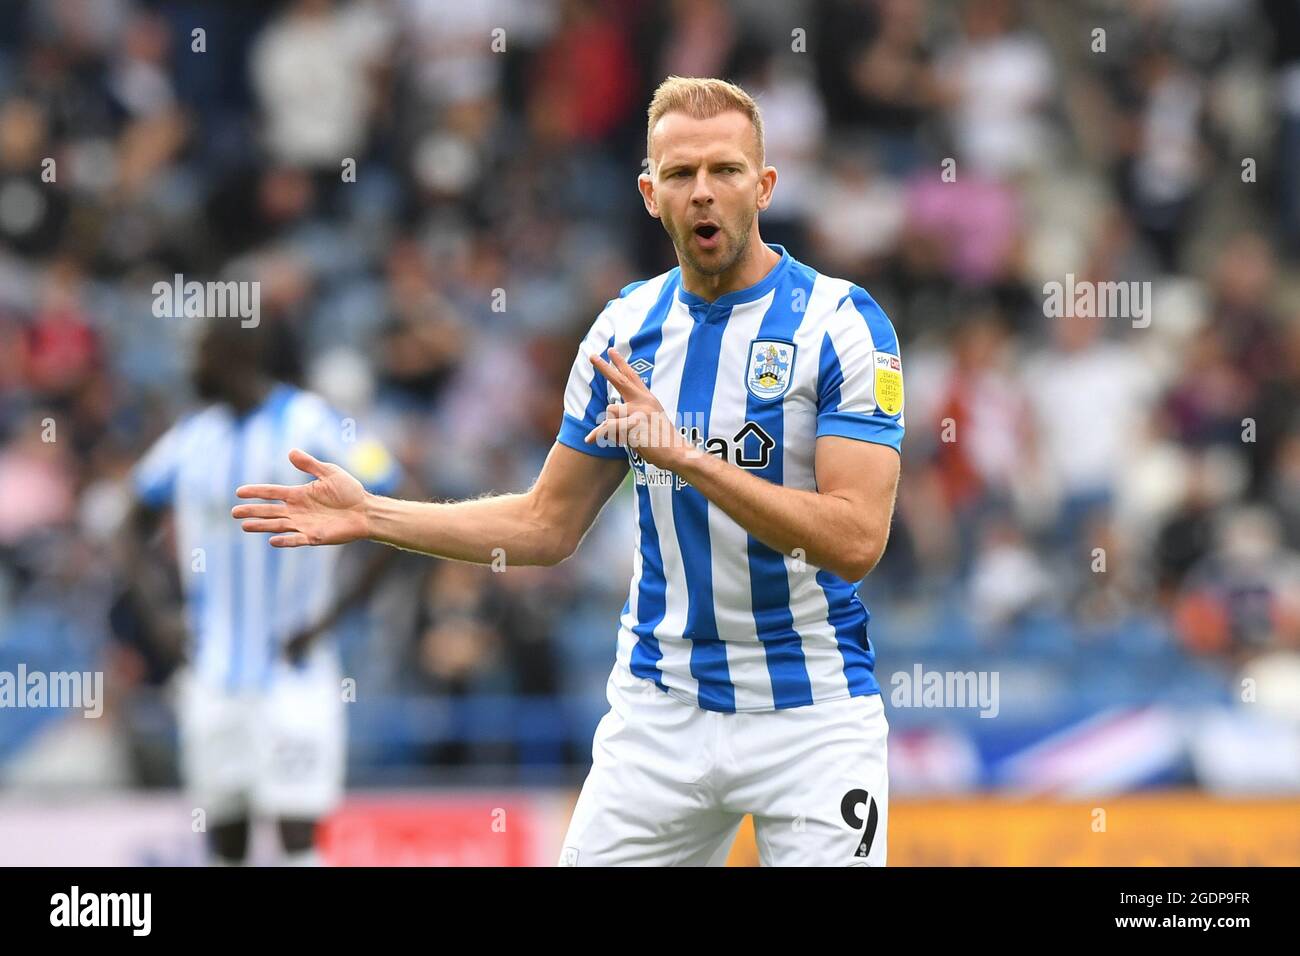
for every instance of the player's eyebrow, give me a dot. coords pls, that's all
(664, 168)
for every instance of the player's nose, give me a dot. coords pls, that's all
(702, 194)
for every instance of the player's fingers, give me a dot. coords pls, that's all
(289, 541)
(612, 375)
(605, 434)
(273, 492)
(308, 463)
(258, 511)
(628, 373)
(268, 524)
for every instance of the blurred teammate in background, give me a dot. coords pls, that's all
(260, 704)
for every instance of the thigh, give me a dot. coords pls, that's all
(302, 746)
(648, 799)
(823, 799)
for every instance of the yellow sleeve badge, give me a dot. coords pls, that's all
(888, 383)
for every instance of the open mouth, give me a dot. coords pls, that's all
(707, 233)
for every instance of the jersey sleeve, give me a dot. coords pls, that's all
(586, 395)
(154, 476)
(860, 376)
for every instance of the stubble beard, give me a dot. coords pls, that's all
(739, 241)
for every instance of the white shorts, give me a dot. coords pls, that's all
(278, 752)
(670, 783)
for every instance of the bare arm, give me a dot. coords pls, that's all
(541, 526)
(843, 526)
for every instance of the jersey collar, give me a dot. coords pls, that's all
(756, 291)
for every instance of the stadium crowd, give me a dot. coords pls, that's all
(437, 198)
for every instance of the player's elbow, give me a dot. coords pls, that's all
(551, 540)
(860, 556)
(558, 549)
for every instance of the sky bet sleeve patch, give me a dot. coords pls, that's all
(889, 383)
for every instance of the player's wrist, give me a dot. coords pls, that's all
(664, 445)
(682, 455)
(369, 516)
(676, 458)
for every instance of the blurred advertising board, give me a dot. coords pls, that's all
(421, 828)
(526, 828)
(1166, 829)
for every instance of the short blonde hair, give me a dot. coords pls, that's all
(702, 98)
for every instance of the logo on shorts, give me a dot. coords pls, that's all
(770, 364)
(569, 856)
(849, 811)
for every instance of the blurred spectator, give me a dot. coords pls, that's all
(1007, 580)
(998, 81)
(312, 70)
(875, 73)
(584, 79)
(983, 420)
(32, 215)
(485, 632)
(1244, 597)
(1092, 399)
(37, 486)
(859, 214)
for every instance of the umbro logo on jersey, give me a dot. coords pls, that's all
(642, 366)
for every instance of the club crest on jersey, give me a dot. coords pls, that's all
(770, 366)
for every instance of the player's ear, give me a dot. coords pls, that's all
(766, 185)
(646, 184)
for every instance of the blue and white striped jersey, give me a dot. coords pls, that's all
(244, 599)
(714, 616)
